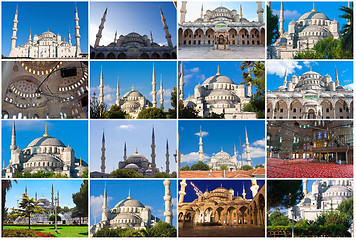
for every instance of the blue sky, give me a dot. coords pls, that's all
(137, 73)
(136, 134)
(40, 16)
(196, 72)
(124, 17)
(294, 10)
(276, 70)
(65, 187)
(72, 132)
(194, 8)
(202, 185)
(217, 134)
(148, 192)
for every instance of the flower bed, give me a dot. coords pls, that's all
(25, 233)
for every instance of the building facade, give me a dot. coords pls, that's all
(222, 207)
(326, 195)
(47, 154)
(310, 96)
(218, 94)
(47, 44)
(133, 45)
(221, 28)
(304, 33)
(26, 95)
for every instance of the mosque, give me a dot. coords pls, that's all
(133, 45)
(310, 96)
(326, 195)
(135, 161)
(44, 89)
(47, 154)
(133, 101)
(221, 28)
(46, 45)
(304, 33)
(222, 206)
(131, 213)
(218, 94)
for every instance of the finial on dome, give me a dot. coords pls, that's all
(132, 87)
(221, 185)
(46, 134)
(313, 10)
(221, 148)
(310, 68)
(136, 150)
(218, 73)
(129, 197)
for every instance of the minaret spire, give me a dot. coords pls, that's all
(161, 94)
(183, 11)
(201, 156)
(181, 82)
(118, 93)
(281, 20)
(241, 15)
(167, 158)
(77, 35)
(29, 37)
(168, 214)
(13, 137)
(165, 27)
(69, 37)
(101, 27)
(336, 77)
(243, 190)
(101, 87)
(125, 156)
(154, 92)
(26, 190)
(285, 78)
(248, 157)
(153, 147)
(104, 215)
(151, 36)
(218, 72)
(115, 38)
(14, 29)
(103, 154)
(35, 196)
(202, 11)
(52, 194)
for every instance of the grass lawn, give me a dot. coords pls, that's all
(63, 231)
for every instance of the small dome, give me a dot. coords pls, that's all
(131, 166)
(42, 158)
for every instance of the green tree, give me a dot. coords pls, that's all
(213, 115)
(115, 112)
(200, 166)
(161, 175)
(272, 27)
(40, 174)
(187, 112)
(27, 207)
(246, 167)
(346, 208)
(332, 218)
(163, 229)
(52, 218)
(173, 174)
(97, 110)
(224, 167)
(172, 112)
(347, 30)
(284, 193)
(125, 173)
(277, 218)
(185, 168)
(259, 166)
(80, 199)
(6, 185)
(151, 113)
(85, 173)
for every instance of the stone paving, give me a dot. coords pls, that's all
(223, 231)
(208, 52)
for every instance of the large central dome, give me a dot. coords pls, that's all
(46, 141)
(129, 202)
(313, 15)
(218, 79)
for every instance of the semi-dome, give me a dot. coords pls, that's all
(127, 216)
(46, 141)
(42, 158)
(131, 166)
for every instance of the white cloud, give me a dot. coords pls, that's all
(279, 67)
(259, 143)
(107, 35)
(167, 92)
(288, 14)
(192, 157)
(194, 70)
(350, 86)
(255, 152)
(202, 133)
(96, 204)
(126, 127)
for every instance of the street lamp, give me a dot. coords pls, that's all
(55, 214)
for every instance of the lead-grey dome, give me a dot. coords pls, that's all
(46, 141)
(218, 79)
(129, 202)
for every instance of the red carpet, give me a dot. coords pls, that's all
(278, 168)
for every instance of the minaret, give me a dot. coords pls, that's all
(69, 37)
(241, 16)
(181, 82)
(118, 93)
(101, 87)
(336, 78)
(26, 190)
(52, 194)
(13, 137)
(153, 147)
(183, 11)
(167, 158)
(104, 215)
(29, 37)
(305, 183)
(235, 152)
(260, 11)
(201, 155)
(35, 196)
(57, 198)
(101, 27)
(151, 36)
(125, 156)
(115, 38)
(281, 20)
(168, 214)
(161, 94)
(243, 191)
(77, 35)
(154, 92)
(285, 78)
(165, 27)
(248, 157)
(254, 187)
(103, 154)
(182, 193)
(202, 11)
(14, 30)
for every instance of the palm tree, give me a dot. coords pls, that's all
(347, 29)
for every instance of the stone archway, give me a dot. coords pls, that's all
(255, 37)
(341, 109)
(311, 114)
(243, 37)
(180, 36)
(100, 56)
(166, 56)
(263, 36)
(209, 36)
(144, 56)
(327, 110)
(233, 37)
(188, 37)
(111, 56)
(122, 56)
(199, 37)
(295, 110)
(281, 109)
(155, 56)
